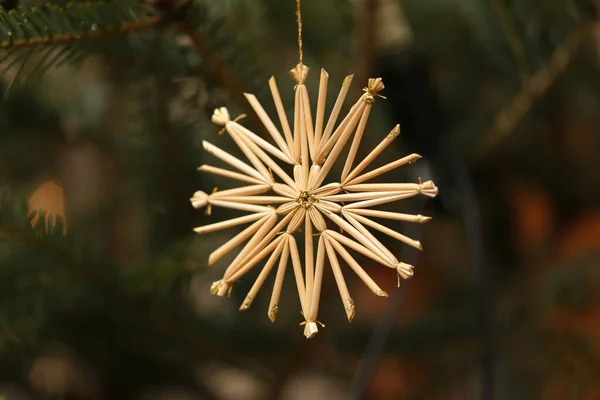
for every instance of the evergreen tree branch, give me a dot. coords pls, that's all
(164, 321)
(511, 35)
(52, 25)
(218, 69)
(536, 86)
(137, 26)
(36, 39)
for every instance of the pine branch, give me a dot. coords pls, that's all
(66, 38)
(38, 39)
(218, 69)
(163, 320)
(52, 25)
(511, 34)
(536, 86)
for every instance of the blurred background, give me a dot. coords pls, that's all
(104, 287)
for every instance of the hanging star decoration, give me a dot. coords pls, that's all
(281, 204)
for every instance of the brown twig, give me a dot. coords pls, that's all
(512, 36)
(137, 26)
(536, 86)
(365, 40)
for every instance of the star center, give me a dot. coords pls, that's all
(306, 199)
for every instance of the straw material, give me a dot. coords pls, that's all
(289, 195)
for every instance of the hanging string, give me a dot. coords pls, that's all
(299, 15)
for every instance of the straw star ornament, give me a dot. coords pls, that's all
(301, 201)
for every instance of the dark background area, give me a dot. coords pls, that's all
(107, 295)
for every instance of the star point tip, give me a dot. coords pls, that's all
(273, 313)
(246, 304)
(211, 260)
(350, 309)
(406, 271)
(310, 330)
(421, 219)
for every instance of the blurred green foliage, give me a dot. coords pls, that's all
(119, 120)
